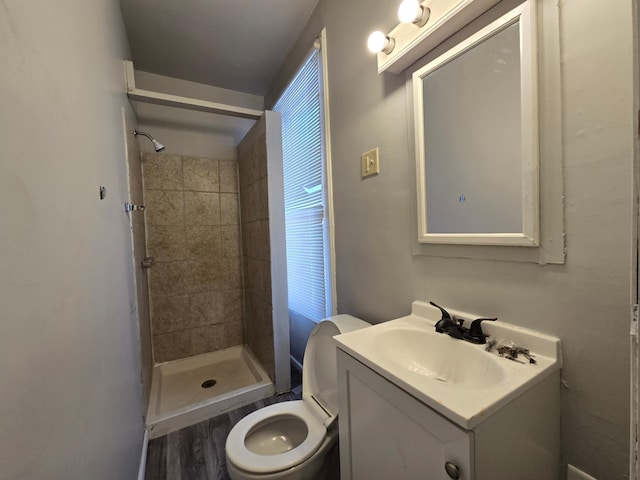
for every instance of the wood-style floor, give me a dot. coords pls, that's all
(197, 452)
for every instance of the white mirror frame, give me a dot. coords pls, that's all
(530, 235)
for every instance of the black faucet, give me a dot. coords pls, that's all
(448, 325)
(457, 330)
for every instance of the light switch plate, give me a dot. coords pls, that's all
(370, 163)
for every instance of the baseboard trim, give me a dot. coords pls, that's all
(143, 456)
(574, 474)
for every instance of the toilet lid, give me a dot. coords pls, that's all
(319, 368)
(245, 459)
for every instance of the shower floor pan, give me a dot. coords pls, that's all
(190, 390)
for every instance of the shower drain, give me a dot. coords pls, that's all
(208, 383)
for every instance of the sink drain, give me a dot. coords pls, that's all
(208, 383)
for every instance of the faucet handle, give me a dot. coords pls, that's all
(475, 333)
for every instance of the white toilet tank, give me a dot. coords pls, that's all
(319, 370)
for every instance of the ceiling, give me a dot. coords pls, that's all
(234, 44)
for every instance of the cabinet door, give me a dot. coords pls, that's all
(386, 434)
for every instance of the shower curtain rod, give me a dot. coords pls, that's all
(169, 100)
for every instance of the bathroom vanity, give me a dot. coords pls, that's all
(416, 404)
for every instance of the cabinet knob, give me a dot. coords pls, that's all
(452, 470)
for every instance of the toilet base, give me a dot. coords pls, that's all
(322, 465)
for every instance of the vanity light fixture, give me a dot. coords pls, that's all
(379, 42)
(422, 28)
(411, 11)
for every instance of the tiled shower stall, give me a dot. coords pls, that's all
(193, 234)
(210, 287)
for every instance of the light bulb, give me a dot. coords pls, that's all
(379, 42)
(376, 41)
(408, 11)
(411, 11)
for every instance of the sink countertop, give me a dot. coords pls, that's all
(466, 403)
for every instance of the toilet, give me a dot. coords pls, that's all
(292, 440)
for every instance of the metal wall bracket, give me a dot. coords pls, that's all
(148, 262)
(130, 208)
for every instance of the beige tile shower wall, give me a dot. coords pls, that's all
(193, 233)
(256, 250)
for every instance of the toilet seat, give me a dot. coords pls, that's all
(271, 430)
(245, 459)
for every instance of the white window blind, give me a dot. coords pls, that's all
(304, 192)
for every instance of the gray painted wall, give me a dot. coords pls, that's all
(584, 301)
(69, 358)
(138, 237)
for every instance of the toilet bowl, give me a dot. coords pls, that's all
(291, 440)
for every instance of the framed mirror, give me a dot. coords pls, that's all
(476, 121)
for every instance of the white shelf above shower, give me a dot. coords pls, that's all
(177, 101)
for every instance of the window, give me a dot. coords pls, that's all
(305, 193)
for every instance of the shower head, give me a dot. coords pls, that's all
(157, 146)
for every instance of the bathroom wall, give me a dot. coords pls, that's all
(584, 301)
(192, 224)
(138, 239)
(263, 247)
(69, 357)
(256, 246)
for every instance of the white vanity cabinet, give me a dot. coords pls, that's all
(388, 434)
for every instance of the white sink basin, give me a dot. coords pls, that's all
(419, 352)
(460, 380)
